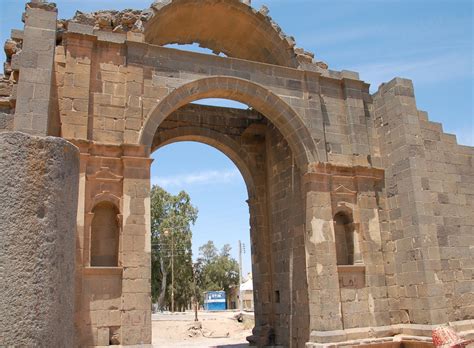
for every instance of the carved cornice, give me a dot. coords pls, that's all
(110, 150)
(337, 179)
(104, 175)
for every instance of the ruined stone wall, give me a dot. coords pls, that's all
(38, 199)
(450, 183)
(427, 226)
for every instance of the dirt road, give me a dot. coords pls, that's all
(219, 329)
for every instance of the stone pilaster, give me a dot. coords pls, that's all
(136, 251)
(321, 263)
(33, 106)
(354, 92)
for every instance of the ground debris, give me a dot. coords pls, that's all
(195, 329)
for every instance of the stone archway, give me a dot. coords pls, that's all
(260, 98)
(255, 145)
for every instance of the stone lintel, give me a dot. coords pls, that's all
(87, 32)
(321, 176)
(81, 29)
(101, 271)
(296, 74)
(108, 36)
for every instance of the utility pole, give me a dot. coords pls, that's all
(172, 272)
(196, 302)
(166, 233)
(240, 276)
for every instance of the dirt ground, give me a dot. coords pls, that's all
(219, 329)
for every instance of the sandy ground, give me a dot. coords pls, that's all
(171, 330)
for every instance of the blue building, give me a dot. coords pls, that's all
(215, 301)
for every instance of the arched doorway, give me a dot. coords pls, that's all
(271, 172)
(219, 192)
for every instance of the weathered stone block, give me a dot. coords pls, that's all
(38, 220)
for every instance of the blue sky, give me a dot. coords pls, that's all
(428, 41)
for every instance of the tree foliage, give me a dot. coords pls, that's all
(171, 221)
(217, 270)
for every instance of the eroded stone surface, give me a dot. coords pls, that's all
(38, 204)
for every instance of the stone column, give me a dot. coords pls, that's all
(321, 262)
(38, 205)
(32, 113)
(136, 252)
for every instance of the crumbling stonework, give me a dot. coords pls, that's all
(316, 151)
(38, 201)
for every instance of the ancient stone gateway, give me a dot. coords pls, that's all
(361, 208)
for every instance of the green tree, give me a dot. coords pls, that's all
(171, 221)
(217, 270)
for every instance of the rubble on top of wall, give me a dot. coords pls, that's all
(130, 20)
(9, 79)
(44, 5)
(115, 21)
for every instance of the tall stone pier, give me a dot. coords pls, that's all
(38, 205)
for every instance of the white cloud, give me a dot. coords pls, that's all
(421, 70)
(223, 176)
(336, 37)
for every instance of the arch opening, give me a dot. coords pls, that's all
(273, 108)
(195, 47)
(237, 30)
(216, 185)
(270, 145)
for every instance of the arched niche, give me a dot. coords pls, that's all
(344, 237)
(105, 235)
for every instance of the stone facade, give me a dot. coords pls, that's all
(329, 169)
